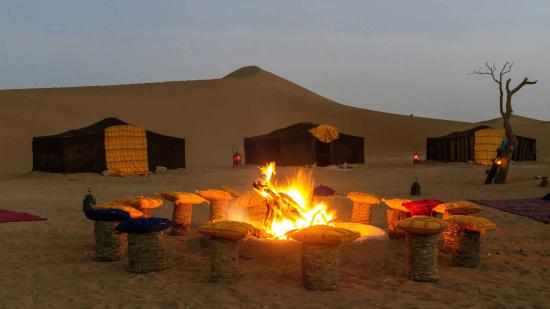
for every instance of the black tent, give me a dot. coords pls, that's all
(83, 150)
(460, 147)
(294, 145)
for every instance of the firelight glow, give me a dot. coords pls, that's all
(303, 212)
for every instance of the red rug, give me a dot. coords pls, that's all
(13, 216)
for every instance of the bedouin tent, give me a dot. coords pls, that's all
(304, 143)
(110, 144)
(478, 145)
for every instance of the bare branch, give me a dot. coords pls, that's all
(505, 71)
(524, 82)
(489, 70)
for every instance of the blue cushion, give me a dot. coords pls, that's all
(144, 225)
(546, 197)
(106, 214)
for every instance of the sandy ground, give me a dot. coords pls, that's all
(48, 263)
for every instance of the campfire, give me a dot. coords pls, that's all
(290, 204)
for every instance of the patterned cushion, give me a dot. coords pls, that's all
(144, 225)
(422, 207)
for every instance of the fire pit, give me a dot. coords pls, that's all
(289, 205)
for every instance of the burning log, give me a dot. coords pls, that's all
(279, 204)
(450, 235)
(470, 228)
(362, 206)
(321, 254)
(422, 235)
(224, 249)
(183, 209)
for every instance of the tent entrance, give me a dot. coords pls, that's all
(323, 153)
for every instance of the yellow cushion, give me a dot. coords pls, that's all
(183, 197)
(323, 235)
(396, 203)
(227, 229)
(142, 202)
(215, 195)
(363, 198)
(473, 223)
(364, 230)
(458, 208)
(422, 225)
(134, 213)
(234, 193)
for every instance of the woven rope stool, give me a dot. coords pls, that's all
(110, 245)
(466, 253)
(395, 213)
(146, 251)
(321, 255)
(224, 238)
(362, 206)
(183, 210)
(422, 236)
(450, 235)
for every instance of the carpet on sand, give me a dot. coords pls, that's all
(13, 216)
(534, 208)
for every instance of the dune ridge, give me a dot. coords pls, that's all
(214, 114)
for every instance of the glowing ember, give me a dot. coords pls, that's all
(290, 205)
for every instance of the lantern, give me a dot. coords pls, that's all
(237, 158)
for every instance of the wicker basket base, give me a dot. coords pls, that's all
(361, 213)
(423, 257)
(320, 267)
(146, 252)
(224, 255)
(393, 216)
(218, 211)
(466, 253)
(182, 218)
(450, 237)
(110, 245)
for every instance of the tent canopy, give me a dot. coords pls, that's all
(478, 145)
(110, 144)
(325, 133)
(297, 145)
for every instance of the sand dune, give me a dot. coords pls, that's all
(48, 263)
(214, 114)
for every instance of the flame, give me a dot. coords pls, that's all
(299, 190)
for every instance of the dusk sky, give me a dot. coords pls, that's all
(394, 56)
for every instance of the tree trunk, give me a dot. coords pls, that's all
(502, 172)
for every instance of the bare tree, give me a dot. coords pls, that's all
(505, 105)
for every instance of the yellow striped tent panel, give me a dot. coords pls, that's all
(126, 150)
(486, 143)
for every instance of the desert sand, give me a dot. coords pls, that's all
(49, 263)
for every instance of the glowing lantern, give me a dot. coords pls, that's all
(237, 158)
(416, 158)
